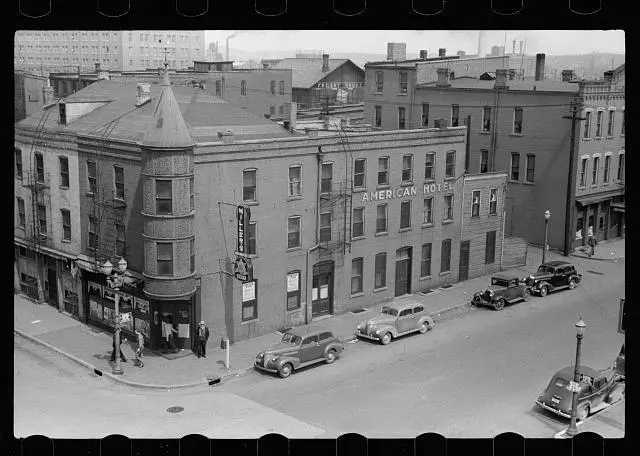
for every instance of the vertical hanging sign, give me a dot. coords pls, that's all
(243, 217)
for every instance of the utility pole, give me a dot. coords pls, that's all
(571, 183)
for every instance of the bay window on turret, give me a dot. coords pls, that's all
(164, 204)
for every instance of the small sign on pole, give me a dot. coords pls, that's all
(573, 386)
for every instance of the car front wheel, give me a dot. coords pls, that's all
(331, 356)
(499, 305)
(572, 284)
(543, 291)
(285, 370)
(424, 327)
(386, 338)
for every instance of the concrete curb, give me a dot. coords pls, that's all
(586, 257)
(454, 307)
(562, 434)
(112, 377)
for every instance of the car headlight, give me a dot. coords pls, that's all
(360, 326)
(275, 358)
(260, 355)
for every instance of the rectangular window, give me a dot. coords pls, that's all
(607, 168)
(450, 166)
(583, 172)
(281, 110)
(425, 114)
(93, 233)
(243, 87)
(249, 185)
(22, 220)
(403, 81)
(293, 290)
(250, 300)
(475, 204)
(42, 219)
(401, 119)
(64, 172)
(356, 275)
(383, 171)
(295, 180)
(358, 222)
(515, 166)
(448, 207)
(493, 201)
(455, 115)
(531, 168)
(579, 227)
(165, 258)
(380, 275)
(517, 120)
(91, 176)
(486, 118)
(621, 167)
(39, 168)
(490, 251)
(293, 232)
(425, 261)
(622, 125)
(596, 165)
(66, 224)
(273, 87)
(612, 114)
(379, 81)
(272, 110)
(445, 256)
(429, 166)
(484, 161)
(359, 178)
(381, 218)
(325, 227)
(407, 168)
(378, 114)
(18, 155)
(327, 178)
(218, 89)
(251, 239)
(599, 124)
(427, 211)
(405, 214)
(118, 182)
(164, 203)
(587, 124)
(192, 203)
(281, 92)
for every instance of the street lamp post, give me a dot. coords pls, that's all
(115, 279)
(547, 216)
(573, 430)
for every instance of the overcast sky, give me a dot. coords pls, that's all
(551, 42)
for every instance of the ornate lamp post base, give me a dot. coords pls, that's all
(117, 371)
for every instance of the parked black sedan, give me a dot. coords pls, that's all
(552, 276)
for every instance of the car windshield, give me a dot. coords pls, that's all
(291, 338)
(546, 269)
(390, 311)
(499, 282)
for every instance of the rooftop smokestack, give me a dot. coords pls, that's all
(521, 44)
(540, 67)
(460, 54)
(514, 47)
(443, 77)
(396, 51)
(423, 54)
(325, 63)
(442, 52)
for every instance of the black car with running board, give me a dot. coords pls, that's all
(552, 276)
(504, 289)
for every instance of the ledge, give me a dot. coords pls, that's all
(378, 290)
(528, 183)
(357, 295)
(358, 238)
(294, 198)
(427, 225)
(251, 203)
(425, 278)
(359, 190)
(444, 273)
(446, 222)
(383, 233)
(516, 134)
(255, 320)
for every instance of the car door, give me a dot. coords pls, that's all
(405, 320)
(556, 278)
(512, 289)
(601, 389)
(310, 349)
(324, 339)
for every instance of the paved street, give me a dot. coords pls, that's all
(476, 375)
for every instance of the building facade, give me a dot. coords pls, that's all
(30, 94)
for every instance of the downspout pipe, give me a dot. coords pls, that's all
(502, 244)
(306, 285)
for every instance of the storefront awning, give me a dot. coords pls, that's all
(42, 249)
(617, 207)
(598, 197)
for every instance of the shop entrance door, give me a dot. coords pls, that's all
(322, 289)
(463, 273)
(52, 297)
(403, 271)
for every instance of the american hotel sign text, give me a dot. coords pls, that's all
(403, 192)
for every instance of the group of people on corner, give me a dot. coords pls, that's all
(170, 333)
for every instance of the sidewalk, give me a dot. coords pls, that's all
(612, 250)
(609, 423)
(91, 347)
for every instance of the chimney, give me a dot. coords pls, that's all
(443, 77)
(501, 79)
(521, 43)
(567, 75)
(514, 47)
(460, 54)
(291, 114)
(325, 63)
(396, 51)
(442, 52)
(144, 93)
(423, 54)
(540, 67)
(608, 75)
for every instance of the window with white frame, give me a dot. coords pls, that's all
(531, 168)
(448, 207)
(91, 176)
(42, 219)
(356, 275)
(281, 87)
(429, 166)
(517, 120)
(403, 81)
(486, 118)
(484, 161)
(326, 178)
(39, 167)
(381, 218)
(325, 227)
(405, 214)
(379, 81)
(621, 166)
(118, 182)
(22, 220)
(425, 260)
(164, 197)
(64, 172)
(401, 118)
(596, 169)
(583, 172)
(407, 168)
(427, 211)
(295, 180)
(383, 171)
(164, 258)
(475, 203)
(66, 224)
(587, 124)
(610, 125)
(493, 201)
(358, 222)
(249, 185)
(455, 115)
(599, 117)
(425, 114)
(293, 232)
(359, 177)
(380, 273)
(515, 166)
(450, 164)
(607, 168)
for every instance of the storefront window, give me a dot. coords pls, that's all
(249, 301)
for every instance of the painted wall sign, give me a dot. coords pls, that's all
(242, 269)
(404, 192)
(248, 291)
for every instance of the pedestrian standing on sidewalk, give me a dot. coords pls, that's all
(592, 244)
(113, 353)
(140, 348)
(203, 336)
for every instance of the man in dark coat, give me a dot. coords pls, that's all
(592, 244)
(202, 337)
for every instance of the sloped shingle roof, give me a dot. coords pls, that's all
(307, 72)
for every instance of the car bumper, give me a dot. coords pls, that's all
(265, 369)
(551, 409)
(367, 336)
(482, 302)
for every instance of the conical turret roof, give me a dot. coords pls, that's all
(167, 127)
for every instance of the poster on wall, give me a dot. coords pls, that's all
(143, 326)
(292, 282)
(142, 306)
(95, 309)
(248, 291)
(183, 330)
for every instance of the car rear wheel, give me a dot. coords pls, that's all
(543, 291)
(424, 328)
(500, 303)
(285, 370)
(583, 412)
(526, 294)
(572, 284)
(386, 338)
(331, 356)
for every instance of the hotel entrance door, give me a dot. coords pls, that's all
(322, 289)
(403, 271)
